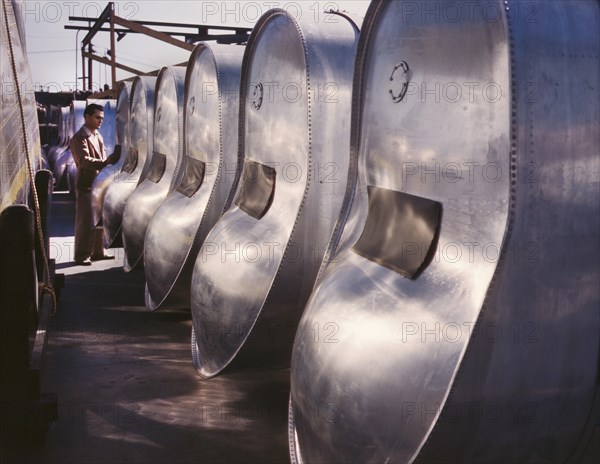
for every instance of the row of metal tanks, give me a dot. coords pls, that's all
(405, 210)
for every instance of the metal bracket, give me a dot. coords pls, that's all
(192, 105)
(257, 95)
(403, 65)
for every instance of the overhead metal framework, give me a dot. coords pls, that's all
(108, 22)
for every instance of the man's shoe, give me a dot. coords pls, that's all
(83, 262)
(102, 257)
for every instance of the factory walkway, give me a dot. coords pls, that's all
(126, 387)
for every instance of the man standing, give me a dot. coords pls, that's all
(89, 155)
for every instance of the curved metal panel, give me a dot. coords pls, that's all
(255, 271)
(168, 145)
(108, 130)
(14, 182)
(115, 132)
(133, 159)
(63, 136)
(496, 121)
(77, 109)
(206, 176)
(16, 10)
(65, 158)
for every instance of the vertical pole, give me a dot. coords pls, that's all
(76, 64)
(113, 53)
(83, 68)
(90, 71)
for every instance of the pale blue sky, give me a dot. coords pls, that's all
(52, 49)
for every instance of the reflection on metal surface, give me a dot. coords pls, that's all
(255, 272)
(491, 354)
(168, 141)
(64, 133)
(115, 132)
(108, 130)
(64, 159)
(205, 177)
(136, 162)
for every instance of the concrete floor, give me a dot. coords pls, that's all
(126, 386)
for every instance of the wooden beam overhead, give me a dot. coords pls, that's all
(179, 25)
(101, 59)
(105, 16)
(152, 33)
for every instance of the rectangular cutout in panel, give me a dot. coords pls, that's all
(131, 161)
(157, 167)
(116, 154)
(257, 189)
(193, 176)
(401, 231)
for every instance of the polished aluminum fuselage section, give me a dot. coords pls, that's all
(115, 132)
(183, 220)
(257, 266)
(162, 173)
(470, 334)
(135, 158)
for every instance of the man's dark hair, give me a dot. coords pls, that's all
(92, 108)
